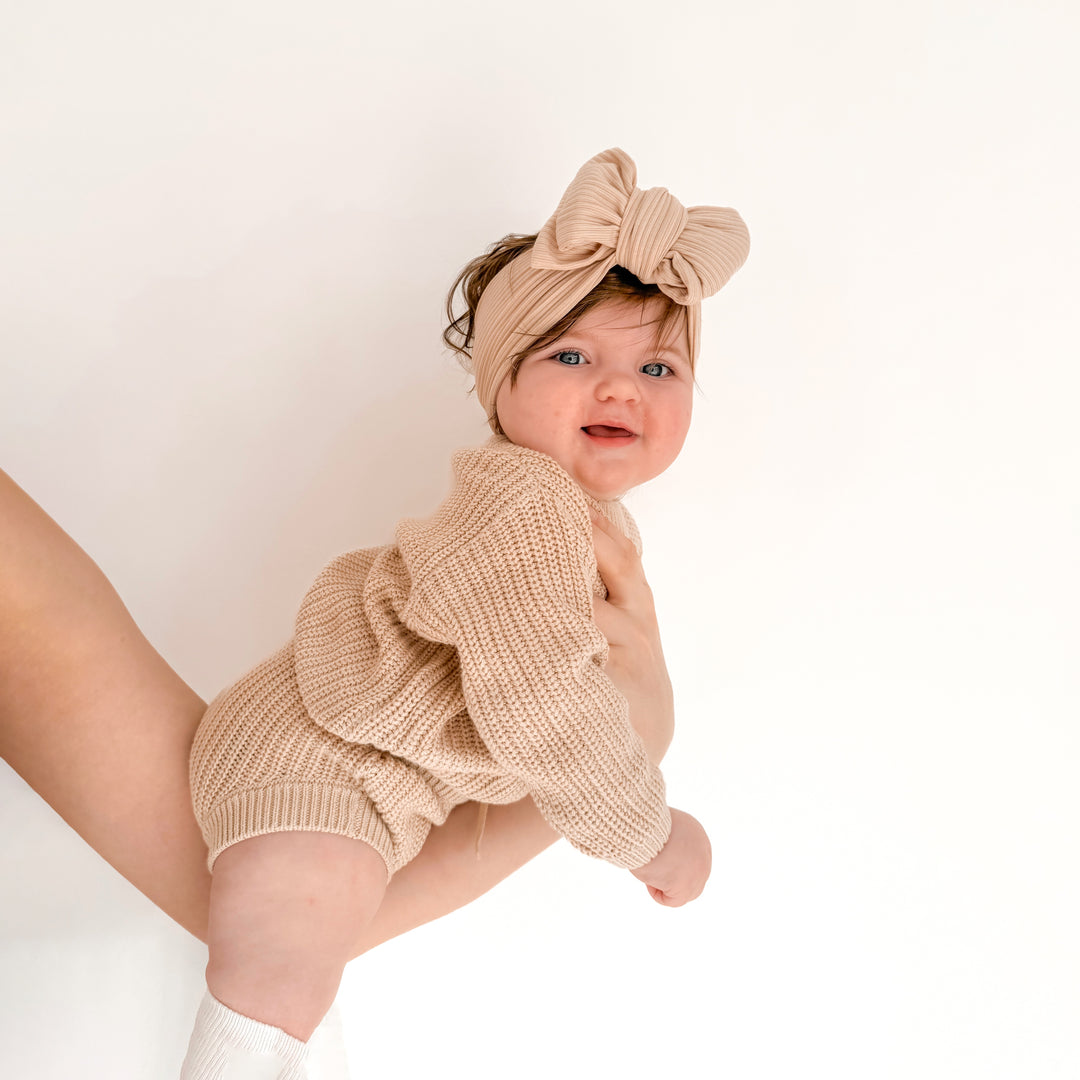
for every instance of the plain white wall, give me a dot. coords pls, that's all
(227, 232)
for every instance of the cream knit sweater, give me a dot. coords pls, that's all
(461, 663)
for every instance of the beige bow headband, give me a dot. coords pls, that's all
(602, 221)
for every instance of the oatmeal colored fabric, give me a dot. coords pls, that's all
(602, 221)
(460, 663)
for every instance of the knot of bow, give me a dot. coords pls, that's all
(688, 252)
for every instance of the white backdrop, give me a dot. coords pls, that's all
(227, 233)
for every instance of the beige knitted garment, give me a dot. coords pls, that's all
(461, 662)
(602, 221)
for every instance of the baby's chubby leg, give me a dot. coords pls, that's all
(286, 912)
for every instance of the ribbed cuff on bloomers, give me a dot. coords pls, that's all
(297, 806)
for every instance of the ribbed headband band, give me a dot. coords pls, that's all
(602, 221)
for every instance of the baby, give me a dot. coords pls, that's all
(464, 661)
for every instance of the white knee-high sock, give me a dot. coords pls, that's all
(227, 1046)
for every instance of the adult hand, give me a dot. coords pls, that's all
(627, 618)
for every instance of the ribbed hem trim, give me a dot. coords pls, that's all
(297, 807)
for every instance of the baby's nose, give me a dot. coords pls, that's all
(620, 386)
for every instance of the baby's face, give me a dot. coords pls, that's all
(608, 403)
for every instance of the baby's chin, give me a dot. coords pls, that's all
(613, 487)
(600, 491)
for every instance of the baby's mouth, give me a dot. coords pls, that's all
(602, 431)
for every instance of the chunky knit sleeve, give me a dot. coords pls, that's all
(515, 600)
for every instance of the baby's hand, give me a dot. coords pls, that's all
(678, 874)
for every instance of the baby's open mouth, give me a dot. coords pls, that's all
(602, 431)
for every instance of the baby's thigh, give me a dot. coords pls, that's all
(287, 911)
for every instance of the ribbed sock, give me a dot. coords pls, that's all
(227, 1046)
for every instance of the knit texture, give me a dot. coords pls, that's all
(460, 663)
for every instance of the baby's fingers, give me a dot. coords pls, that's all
(674, 898)
(662, 897)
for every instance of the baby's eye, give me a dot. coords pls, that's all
(576, 359)
(656, 364)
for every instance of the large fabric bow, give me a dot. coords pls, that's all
(603, 220)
